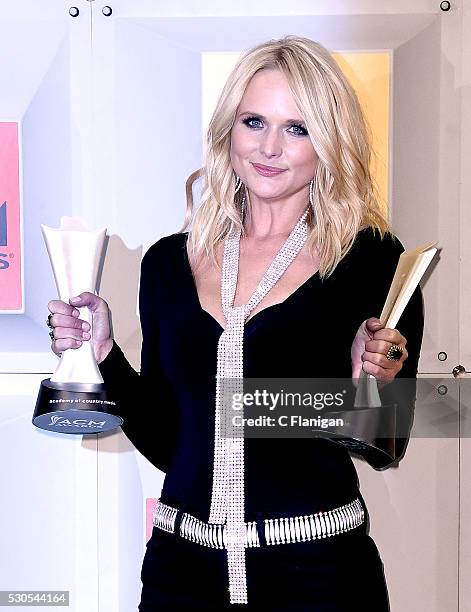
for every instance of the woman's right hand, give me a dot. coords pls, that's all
(70, 331)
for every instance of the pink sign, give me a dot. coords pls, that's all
(11, 294)
(150, 505)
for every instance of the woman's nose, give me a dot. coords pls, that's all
(271, 145)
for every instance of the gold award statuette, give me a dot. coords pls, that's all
(74, 400)
(410, 269)
(370, 427)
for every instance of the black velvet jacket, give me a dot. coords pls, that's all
(168, 409)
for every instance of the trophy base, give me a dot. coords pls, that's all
(75, 408)
(368, 431)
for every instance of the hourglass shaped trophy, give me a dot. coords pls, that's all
(74, 400)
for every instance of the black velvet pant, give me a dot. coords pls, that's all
(337, 574)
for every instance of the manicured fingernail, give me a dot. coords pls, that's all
(75, 312)
(85, 336)
(85, 326)
(74, 300)
(78, 343)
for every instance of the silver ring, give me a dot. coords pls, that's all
(48, 322)
(51, 335)
(394, 352)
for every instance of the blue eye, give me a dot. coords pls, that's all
(297, 129)
(252, 122)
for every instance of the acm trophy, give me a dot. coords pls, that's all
(75, 400)
(372, 427)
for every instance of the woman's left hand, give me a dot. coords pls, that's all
(370, 347)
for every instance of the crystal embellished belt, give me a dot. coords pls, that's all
(277, 531)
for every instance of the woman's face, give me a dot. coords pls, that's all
(270, 148)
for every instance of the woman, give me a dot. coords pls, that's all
(287, 262)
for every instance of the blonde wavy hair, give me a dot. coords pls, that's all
(343, 193)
